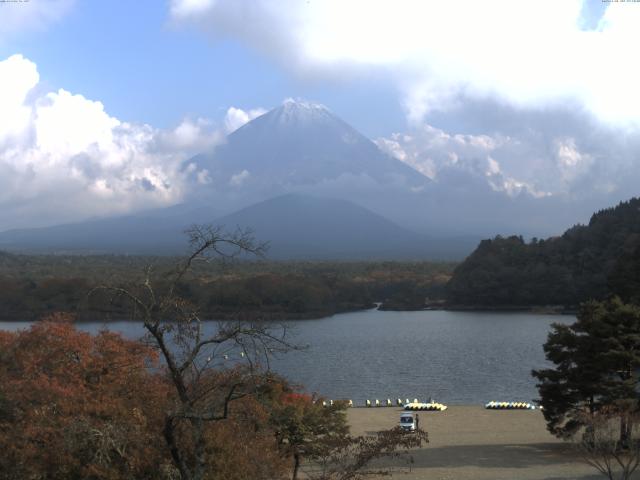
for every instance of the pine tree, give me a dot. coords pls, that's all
(597, 360)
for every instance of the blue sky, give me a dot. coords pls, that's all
(97, 99)
(104, 49)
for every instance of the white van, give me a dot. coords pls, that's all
(407, 422)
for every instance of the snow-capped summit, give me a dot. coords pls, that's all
(301, 143)
(301, 105)
(297, 112)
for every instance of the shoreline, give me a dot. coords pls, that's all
(317, 315)
(539, 309)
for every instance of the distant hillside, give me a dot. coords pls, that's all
(296, 226)
(309, 227)
(157, 232)
(586, 262)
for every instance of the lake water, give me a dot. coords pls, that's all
(454, 357)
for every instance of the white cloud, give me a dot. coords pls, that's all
(239, 178)
(570, 161)
(19, 17)
(568, 154)
(204, 177)
(494, 167)
(496, 159)
(186, 8)
(64, 158)
(18, 77)
(429, 149)
(236, 117)
(191, 136)
(527, 54)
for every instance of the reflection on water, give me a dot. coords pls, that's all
(454, 357)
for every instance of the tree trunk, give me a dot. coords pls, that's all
(198, 439)
(296, 465)
(176, 455)
(625, 433)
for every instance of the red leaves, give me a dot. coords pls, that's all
(76, 404)
(289, 398)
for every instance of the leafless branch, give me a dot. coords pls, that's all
(204, 388)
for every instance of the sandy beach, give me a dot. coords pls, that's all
(470, 442)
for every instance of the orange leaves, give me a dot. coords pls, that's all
(296, 398)
(73, 404)
(76, 406)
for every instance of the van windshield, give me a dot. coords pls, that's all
(406, 419)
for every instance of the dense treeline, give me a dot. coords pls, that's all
(586, 262)
(33, 286)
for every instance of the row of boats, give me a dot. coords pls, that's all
(389, 403)
(509, 406)
(435, 406)
(407, 404)
(426, 407)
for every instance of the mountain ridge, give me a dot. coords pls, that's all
(297, 226)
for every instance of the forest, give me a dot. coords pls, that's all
(35, 285)
(589, 261)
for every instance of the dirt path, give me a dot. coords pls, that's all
(474, 443)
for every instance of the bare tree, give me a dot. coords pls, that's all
(352, 458)
(209, 364)
(602, 446)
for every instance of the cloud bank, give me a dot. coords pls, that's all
(526, 54)
(64, 158)
(512, 165)
(528, 99)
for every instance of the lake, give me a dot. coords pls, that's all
(454, 357)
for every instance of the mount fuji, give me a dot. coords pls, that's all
(302, 178)
(300, 145)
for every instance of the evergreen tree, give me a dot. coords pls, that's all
(624, 280)
(596, 360)
(587, 261)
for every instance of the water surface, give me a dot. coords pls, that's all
(454, 357)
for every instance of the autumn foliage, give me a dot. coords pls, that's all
(80, 406)
(73, 405)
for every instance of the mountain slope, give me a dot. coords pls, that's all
(297, 226)
(298, 144)
(301, 226)
(587, 261)
(302, 147)
(153, 232)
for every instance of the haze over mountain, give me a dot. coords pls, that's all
(295, 226)
(302, 148)
(303, 226)
(511, 144)
(158, 231)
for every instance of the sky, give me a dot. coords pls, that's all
(101, 102)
